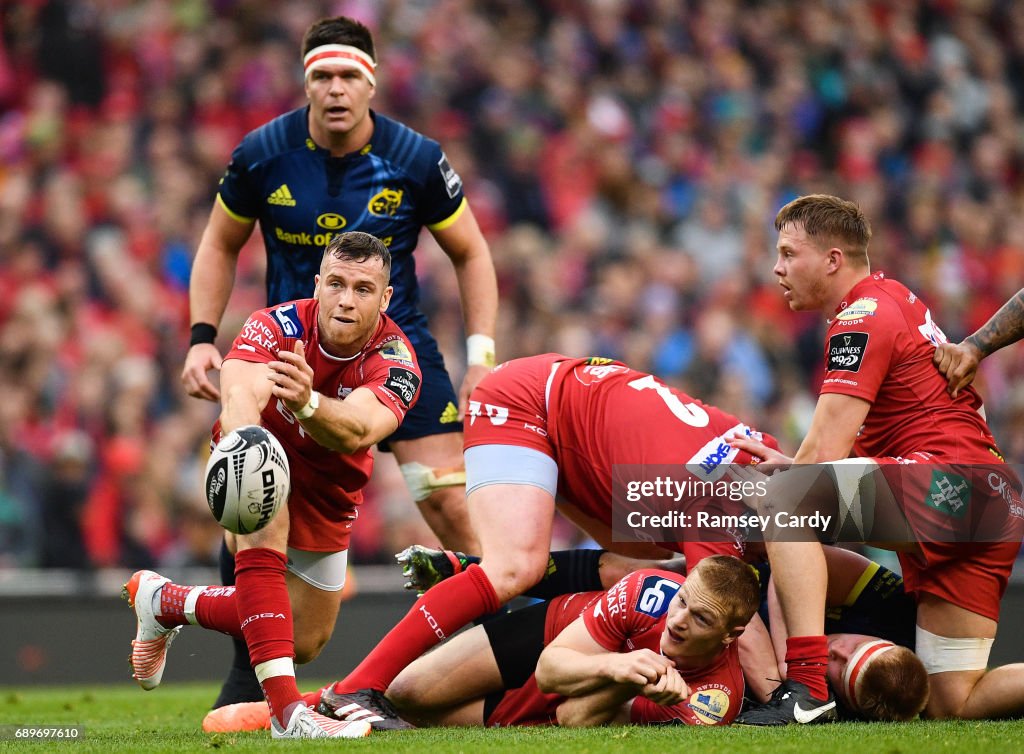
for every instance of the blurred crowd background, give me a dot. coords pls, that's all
(625, 160)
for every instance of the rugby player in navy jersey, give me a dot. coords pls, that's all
(337, 165)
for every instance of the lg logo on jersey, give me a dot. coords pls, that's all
(497, 414)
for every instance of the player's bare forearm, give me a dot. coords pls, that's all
(243, 397)
(1005, 327)
(602, 707)
(565, 671)
(478, 291)
(350, 427)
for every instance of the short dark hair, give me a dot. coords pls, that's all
(357, 246)
(338, 30)
(830, 219)
(735, 583)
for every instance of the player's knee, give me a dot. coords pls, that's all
(406, 692)
(428, 484)
(273, 536)
(309, 645)
(954, 665)
(513, 573)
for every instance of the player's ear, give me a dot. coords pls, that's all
(385, 299)
(316, 285)
(835, 259)
(732, 635)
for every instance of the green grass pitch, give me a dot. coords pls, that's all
(125, 719)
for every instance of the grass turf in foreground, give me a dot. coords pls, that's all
(125, 719)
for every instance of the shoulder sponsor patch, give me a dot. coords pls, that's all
(452, 182)
(287, 317)
(656, 593)
(404, 383)
(859, 309)
(846, 351)
(397, 350)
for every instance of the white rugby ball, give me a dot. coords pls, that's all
(247, 479)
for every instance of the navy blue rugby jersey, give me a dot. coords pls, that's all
(398, 183)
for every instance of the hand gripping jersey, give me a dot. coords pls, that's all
(397, 184)
(326, 485)
(630, 616)
(597, 418)
(937, 453)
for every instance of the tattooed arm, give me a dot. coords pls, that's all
(959, 362)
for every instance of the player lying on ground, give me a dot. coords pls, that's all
(870, 625)
(866, 603)
(341, 344)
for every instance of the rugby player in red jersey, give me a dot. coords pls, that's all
(883, 401)
(552, 425)
(656, 647)
(329, 377)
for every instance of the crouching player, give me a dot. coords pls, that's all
(340, 344)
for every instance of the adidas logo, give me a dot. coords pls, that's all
(282, 196)
(450, 414)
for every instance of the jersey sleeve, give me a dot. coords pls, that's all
(237, 192)
(443, 199)
(859, 348)
(645, 712)
(632, 606)
(259, 341)
(393, 374)
(707, 704)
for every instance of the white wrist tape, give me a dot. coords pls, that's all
(480, 350)
(941, 654)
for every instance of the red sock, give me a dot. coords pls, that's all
(172, 605)
(440, 612)
(217, 609)
(265, 613)
(806, 660)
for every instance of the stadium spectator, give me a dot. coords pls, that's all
(850, 86)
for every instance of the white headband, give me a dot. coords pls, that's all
(866, 653)
(344, 55)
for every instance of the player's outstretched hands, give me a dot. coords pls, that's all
(201, 358)
(958, 363)
(292, 377)
(641, 667)
(669, 689)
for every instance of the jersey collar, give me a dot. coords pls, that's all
(854, 293)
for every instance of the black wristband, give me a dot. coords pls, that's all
(202, 332)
